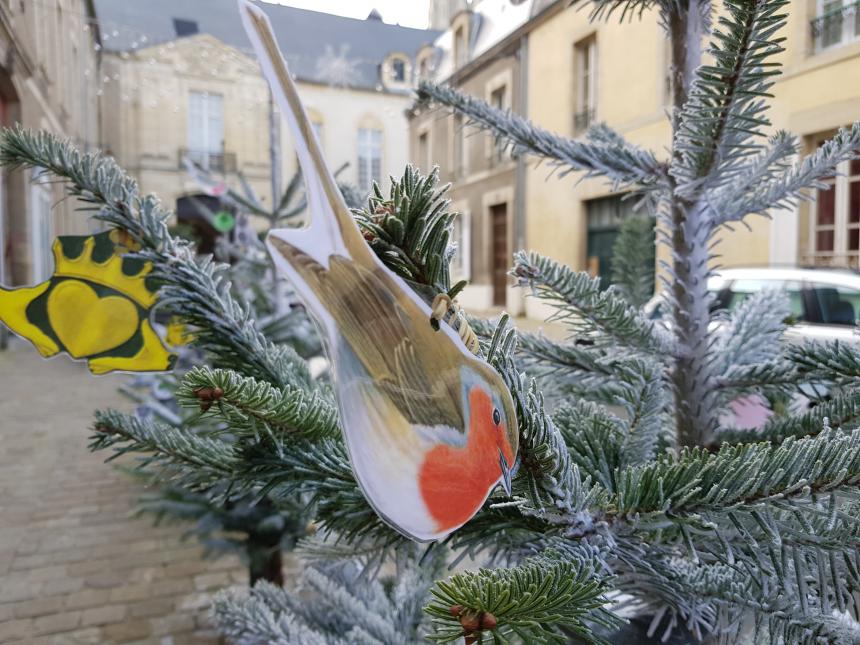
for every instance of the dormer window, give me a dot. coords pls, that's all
(396, 70)
(460, 47)
(425, 62)
(460, 27)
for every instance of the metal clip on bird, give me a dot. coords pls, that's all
(445, 309)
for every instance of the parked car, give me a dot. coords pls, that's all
(825, 303)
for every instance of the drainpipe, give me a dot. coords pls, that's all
(519, 232)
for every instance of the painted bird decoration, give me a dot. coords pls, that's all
(430, 428)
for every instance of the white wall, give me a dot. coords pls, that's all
(343, 111)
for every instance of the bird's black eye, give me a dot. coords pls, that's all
(497, 417)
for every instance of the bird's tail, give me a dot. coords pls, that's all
(331, 228)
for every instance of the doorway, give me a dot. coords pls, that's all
(500, 259)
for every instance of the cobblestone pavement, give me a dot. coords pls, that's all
(74, 566)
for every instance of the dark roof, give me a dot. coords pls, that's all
(319, 47)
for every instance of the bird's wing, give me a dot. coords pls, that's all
(381, 334)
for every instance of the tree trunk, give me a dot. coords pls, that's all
(264, 554)
(689, 242)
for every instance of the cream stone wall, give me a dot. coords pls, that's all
(342, 111)
(145, 121)
(817, 92)
(146, 117)
(48, 74)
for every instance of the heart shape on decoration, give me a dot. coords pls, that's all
(87, 324)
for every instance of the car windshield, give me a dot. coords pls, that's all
(811, 302)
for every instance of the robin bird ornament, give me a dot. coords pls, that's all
(430, 428)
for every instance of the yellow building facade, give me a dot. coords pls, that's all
(580, 72)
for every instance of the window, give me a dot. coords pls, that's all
(424, 151)
(603, 217)
(837, 305)
(398, 70)
(183, 27)
(835, 234)
(41, 226)
(206, 130)
(836, 22)
(742, 289)
(498, 99)
(369, 157)
(460, 149)
(585, 84)
(461, 235)
(459, 47)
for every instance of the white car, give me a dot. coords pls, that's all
(825, 303)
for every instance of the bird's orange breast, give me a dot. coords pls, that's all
(454, 482)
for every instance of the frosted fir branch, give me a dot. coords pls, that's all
(604, 153)
(628, 10)
(545, 476)
(337, 602)
(283, 467)
(586, 309)
(623, 9)
(193, 288)
(633, 260)
(725, 110)
(841, 411)
(533, 601)
(594, 439)
(93, 178)
(410, 230)
(644, 400)
(767, 165)
(744, 475)
(752, 334)
(784, 189)
(769, 376)
(246, 619)
(833, 362)
(250, 406)
(123, 433)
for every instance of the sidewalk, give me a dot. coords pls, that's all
(74, 566)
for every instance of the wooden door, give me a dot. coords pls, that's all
(500, 260)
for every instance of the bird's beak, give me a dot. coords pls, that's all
(506, 473)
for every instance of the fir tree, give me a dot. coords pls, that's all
(632, 498)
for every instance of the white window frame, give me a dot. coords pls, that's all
(841, 225)
(460, 147)
(501, 81)
(585, 53)
(366, 147)
(425, 157)
(850, 25)
(41, 226)
(210, 124)
(2, 226)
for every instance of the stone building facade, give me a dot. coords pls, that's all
(181, 81)
(569, 72)
(49, 66)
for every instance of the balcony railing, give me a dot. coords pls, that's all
(835, 27)
(582, 120)
(223, 162)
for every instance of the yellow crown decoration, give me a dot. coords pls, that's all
(90, 308)
(108, 273)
